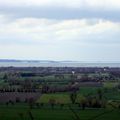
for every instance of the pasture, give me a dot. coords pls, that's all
(22, 112)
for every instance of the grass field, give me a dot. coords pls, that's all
(88, 90)
(112, 95)
(19, 112)
(59, 97)
(110, 84)
(109, 94)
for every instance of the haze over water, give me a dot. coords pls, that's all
(57, 64)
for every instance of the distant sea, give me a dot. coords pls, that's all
(57, 64)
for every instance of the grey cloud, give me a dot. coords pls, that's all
(59, 13)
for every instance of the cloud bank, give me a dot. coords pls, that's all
(28, 30)
(97, 4)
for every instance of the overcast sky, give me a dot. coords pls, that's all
(81, 30)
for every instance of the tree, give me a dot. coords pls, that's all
(17, 99)
(52, 102)
(61, 105)
(31, 102)
(5, 77)
(73, 97)
(30, 115)
(100, 94)
(83, 102)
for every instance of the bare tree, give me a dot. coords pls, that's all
(73, 97)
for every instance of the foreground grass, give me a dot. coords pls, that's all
(21, 112)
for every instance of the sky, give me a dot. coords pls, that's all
(77, 30)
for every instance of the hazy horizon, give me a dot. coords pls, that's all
(50, 60)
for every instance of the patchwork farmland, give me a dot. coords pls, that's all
(59, 93)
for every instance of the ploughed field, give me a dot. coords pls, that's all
(17, 96)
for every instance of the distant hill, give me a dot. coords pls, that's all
(41, 61)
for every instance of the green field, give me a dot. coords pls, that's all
(108, 94)
(59, 97)
(19, 112)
